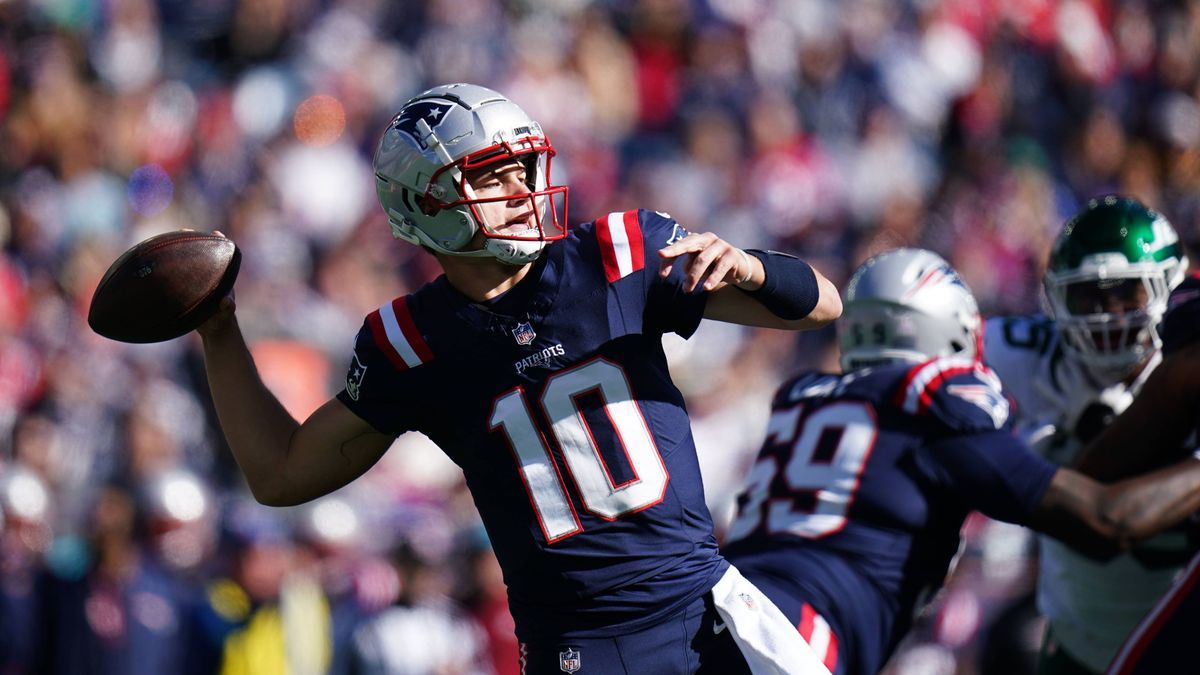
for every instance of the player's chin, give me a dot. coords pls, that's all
(517, 230)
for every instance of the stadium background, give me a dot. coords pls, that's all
(832, 130)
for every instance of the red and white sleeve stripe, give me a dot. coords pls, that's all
(397, 336)
(621, 246)
(924, 380)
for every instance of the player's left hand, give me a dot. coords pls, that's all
(711, 261)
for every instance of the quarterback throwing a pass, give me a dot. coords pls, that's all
(535, 362)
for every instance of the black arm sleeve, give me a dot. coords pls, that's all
(790, 288)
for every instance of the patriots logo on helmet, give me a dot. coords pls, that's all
(934, 276)
(433, 112)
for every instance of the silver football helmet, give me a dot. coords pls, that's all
(422, 165)
(907, 305)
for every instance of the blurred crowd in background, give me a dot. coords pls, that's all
(829, 129)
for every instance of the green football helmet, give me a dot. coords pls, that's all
(1110, 272)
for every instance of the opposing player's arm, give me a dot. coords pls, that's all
(285, 462)
(1154, 427)
(998, 474)
(756, 288)
(1103, 520)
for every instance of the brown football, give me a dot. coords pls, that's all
(164, 286)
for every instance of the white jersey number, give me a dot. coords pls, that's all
(600, 493)
(828, 453)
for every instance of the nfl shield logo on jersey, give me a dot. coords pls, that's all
(569, 661)
(524, 333)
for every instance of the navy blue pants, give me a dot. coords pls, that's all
(694, 641)
(1165, 641)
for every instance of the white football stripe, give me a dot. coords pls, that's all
(396, 336)
(819, 640)
(912, 398)
(615, 222)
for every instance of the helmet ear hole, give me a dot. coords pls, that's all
(428, 205)
(405, 196)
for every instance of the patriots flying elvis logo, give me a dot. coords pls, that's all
(433, 112)
(987, 399)
(354, 378)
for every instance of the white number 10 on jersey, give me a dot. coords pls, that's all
(598, 491)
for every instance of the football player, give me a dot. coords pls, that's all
(1162, 424)
(535, 362)
(1107, 281)
(851, 514)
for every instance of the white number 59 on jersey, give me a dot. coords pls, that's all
(819, 457)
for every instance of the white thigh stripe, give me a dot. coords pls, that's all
(768, 641)
(820, 637)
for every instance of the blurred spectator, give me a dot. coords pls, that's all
(424, 632)
(24, 537)
(270, 614)
(124, 615)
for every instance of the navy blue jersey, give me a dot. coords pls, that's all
(856, 500)
(556, 402)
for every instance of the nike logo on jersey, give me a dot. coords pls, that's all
(539, 359)
(719, 627)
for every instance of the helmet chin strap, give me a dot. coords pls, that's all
(510, 251)
(514, 252)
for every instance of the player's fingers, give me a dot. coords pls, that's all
(686, 246)
(221, 320)
(689, 244)
(720, 270)
(702, 264)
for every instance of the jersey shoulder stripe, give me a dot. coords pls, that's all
(397, 336)
(924, 380)
(621, 247)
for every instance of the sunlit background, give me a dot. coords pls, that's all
(829, 129)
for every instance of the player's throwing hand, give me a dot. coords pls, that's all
(713, 261)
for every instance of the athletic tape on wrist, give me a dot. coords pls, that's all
(749, 268)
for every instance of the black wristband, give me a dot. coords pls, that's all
(790, 288)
